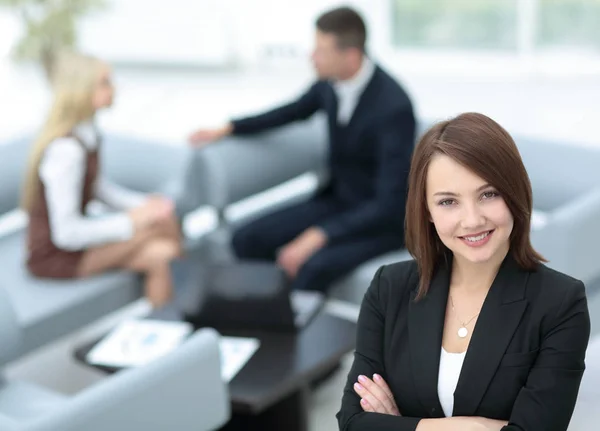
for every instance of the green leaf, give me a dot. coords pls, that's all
(49, 25)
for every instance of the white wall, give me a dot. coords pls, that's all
(160, 32)
(207, 32)
(269, 33)
(263, 24)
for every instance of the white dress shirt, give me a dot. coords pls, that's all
(450, 367)
(350, 90)
(62, 171)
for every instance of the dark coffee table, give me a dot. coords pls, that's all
(271, 391)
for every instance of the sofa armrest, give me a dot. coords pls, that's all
(12, 221)
(571, 236)
(180, 391)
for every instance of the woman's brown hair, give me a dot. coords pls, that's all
(484, 147)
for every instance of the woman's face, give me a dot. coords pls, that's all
(469, 215)
(103, 90)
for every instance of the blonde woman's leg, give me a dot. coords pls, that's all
(153, 259)
(149, 252)
(97, 260)
(171, 229)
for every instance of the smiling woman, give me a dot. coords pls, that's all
(468, 180)
(476, 333)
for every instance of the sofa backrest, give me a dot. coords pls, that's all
(559, 172)
(139, 164)
(239, 167)
(181, 390)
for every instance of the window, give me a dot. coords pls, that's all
(569, 24)
(498, 25)
(463, 24)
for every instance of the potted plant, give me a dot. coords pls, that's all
(48, 27)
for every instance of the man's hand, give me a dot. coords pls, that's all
(296, 253)
(204, 136)
(376, 396)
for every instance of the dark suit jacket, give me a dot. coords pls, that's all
(369, 158)
(524, 363)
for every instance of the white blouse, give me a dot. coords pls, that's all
(349, 91)
(450, 367)
(62, 170)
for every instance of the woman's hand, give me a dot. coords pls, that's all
(155, 210)
(161, 207)
(460, 423)
(490, 424)
(376, 396)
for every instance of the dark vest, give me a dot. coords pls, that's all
(44, 258)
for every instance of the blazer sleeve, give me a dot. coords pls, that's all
(301, 109)
(547, 400)
(368, 359)
(395, 138)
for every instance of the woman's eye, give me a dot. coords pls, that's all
(489, 195)
(446, 202)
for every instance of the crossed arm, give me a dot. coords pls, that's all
(368, 402)
(376, 397)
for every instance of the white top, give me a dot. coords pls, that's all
(350, 90)
(450, 367)
(62, 170)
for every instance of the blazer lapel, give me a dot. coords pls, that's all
(425, 331)
(500, 315)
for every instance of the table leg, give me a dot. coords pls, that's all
(290, 414)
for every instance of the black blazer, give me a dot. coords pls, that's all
(524, 363)
(369, 158)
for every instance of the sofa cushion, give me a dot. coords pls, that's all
(48, 309)
(551, 165)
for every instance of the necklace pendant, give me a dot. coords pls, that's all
(463, 332)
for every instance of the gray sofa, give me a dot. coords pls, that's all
(48, 309)
(566, 192)
(182, 390)
(239, 171)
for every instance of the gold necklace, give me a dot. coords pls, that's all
(462, 331)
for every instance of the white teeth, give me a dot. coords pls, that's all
(476, 238)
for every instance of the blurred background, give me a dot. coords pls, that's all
(532, 65)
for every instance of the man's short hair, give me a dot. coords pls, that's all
(347, 25)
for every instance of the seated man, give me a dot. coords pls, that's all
(360, 213)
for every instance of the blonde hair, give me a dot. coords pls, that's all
(73, 81)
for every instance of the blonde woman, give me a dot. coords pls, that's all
(63, 177)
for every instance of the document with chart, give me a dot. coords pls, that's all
(136, 342)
